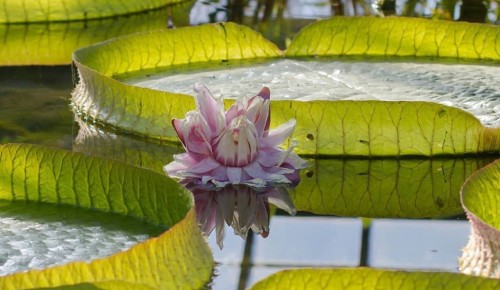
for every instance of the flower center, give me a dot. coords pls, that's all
(237, 145)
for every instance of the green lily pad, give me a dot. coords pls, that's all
(481, 202)
(53, 43)
(412, 188)
(366, 278)
(368, 128)
(23, 11)
(179, 257)
(397, 36)
(480, 195)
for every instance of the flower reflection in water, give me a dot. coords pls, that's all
(240, 206)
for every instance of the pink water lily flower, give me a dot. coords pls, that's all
(234, 146)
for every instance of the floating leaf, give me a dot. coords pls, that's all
(23, 11)
(397, 36)
(481, 202)
(178, 258)
(148, 112)
(376, 128)
(412, 188)
(367, 128)
(53, 43)
(366, 278)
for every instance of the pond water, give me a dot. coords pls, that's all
(34, 108)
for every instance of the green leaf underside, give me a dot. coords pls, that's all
(178, 257)
(380, 188)
(54, 43)
(366, 278)
(340, 128)
(480, 194)
(397, 36)
(24, 11)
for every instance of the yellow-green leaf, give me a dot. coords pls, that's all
(397, 36)
(179, 257)
(412, 188)
(367, 128)
(53, 43)
(366, 279)
(376, 128)
(23, 11)
(481, 201)
(480, 194)
(148, 112)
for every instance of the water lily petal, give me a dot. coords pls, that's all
(295, 161)
(234, 174)
(265, 93)
(194, 133)
(271, 174)
(225, 201)
(203, 166)
(269, 156)
(187, 165)
(257, 112)
(246, 205)
(237, 109)
(219, 226)
(260, 222)
(211, 108)
(180, 164)
(280, 198)
(205, 211)
(237, 145)
(177, 124)
(278, 135)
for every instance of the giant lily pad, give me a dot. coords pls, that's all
(53, 43)
(481, 202)
(396, 36)
(365, 278)
(412, 188)
(368, 128)
(23, 11)
(179, 257)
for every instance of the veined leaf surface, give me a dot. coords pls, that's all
(148, 112)
(412, 188)
(366, 278)
(367, 128)
(53, 43)
(23, 11)
(397, 36)
(179, 257)
(481, 201)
